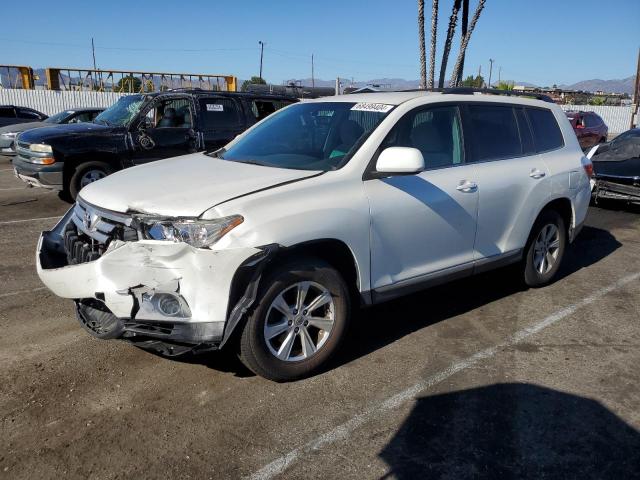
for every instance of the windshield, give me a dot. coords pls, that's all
(122, 112)
(623, 137)
(309, 136)
(59, 117)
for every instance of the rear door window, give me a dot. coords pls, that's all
(526, 137)
(219, 113)
(591, 121)
(546, 132)
(495, 132)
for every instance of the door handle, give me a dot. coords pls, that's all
(467, 186)
(537, 174)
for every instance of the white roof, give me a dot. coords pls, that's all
(396, 98)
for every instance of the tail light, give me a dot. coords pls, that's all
(588, 166)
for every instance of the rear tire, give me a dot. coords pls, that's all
(545, 249)
(86, 173)
(298, 321)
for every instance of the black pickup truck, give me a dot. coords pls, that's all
(137, 129)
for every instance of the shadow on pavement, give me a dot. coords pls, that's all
(509, 431)
(375, 327)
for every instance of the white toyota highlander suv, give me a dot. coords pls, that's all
(268, 243)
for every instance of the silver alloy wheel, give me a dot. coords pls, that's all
(546, 248)
(91, 176)
(299, 321)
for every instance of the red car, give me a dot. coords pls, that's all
(589, 127)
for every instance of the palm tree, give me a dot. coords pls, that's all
(434, 39)
(453, 19)
(423, 55)
(465, 42)
(463, 33)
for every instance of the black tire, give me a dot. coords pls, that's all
(255, 353)
(81, 170)
(532, 276)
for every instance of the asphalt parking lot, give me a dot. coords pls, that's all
(476, 379)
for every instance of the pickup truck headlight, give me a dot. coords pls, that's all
(197, 233)
(40, 148)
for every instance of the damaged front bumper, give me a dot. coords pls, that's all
(617, 188)
(166, 296)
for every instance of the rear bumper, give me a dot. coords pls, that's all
(121, 294)
(46, 176)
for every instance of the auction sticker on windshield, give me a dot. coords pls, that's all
(372, 107)
(215, 107)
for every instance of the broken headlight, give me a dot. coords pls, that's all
(197, 233)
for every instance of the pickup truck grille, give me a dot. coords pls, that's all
(91, 230)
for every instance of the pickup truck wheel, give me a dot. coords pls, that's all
(545, 249)
(300, 317)
(86, 173)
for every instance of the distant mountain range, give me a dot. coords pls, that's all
(624, 85)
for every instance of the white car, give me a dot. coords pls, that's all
(325, 205)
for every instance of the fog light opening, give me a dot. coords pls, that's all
(169, 305)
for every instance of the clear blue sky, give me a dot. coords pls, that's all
(539, 41)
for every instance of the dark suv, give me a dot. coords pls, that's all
(137, 129)
(589, 127)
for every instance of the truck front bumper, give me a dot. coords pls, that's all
(164, 295)
(47, 176)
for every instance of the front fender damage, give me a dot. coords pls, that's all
(171, 293)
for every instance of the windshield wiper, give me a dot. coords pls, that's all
(251, 162)
(218, 153)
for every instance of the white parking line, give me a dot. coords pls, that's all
(29, 220)
(19, 292)
(343, 431)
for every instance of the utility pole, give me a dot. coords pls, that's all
(338, 86)
(499, 75)
(93, 51)
(635, 114)
(491, 60)
(313, 81)
(261, 55)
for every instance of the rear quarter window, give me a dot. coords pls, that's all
(219, 113)
(546, 132)
(262, 108)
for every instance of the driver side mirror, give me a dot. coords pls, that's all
(400, 161)
(145, 124)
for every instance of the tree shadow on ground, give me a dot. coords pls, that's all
(512, 431)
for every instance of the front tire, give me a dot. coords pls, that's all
(86, 173)
(300, 318)
(545, 249)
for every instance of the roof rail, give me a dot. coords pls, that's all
(488, 91)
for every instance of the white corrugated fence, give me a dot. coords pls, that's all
(51, 101)
(618, 119)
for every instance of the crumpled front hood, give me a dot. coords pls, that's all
(183, 186)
